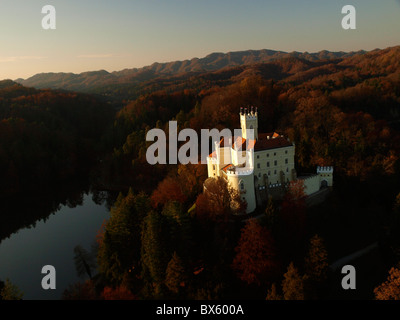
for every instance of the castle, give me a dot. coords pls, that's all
(257, 165)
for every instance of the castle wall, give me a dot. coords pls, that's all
(272, 163)
(312, 184)
(212, 167)
(224, 156)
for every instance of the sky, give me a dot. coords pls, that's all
(113, 35)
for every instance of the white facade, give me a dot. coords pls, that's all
(269, 162)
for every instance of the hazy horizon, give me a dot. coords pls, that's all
(126, 34)
(188, 59)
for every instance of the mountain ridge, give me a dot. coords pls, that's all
(215, 61)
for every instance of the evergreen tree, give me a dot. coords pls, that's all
(120, 246)
(175, 278)
(179, 226)
(84, 262)
(154, 254)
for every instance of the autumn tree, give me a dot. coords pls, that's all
(218, 201)
(316, 267)
(390, 289)
(80, 291)
(293, 219)
(191, 177)
(315, 119)
(118, 293)
(316, 261)
(168, 189)
(272, 294)
(256, 259)
(9, 291)
(213, 231)
(293, 284)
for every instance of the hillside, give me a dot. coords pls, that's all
(87, 81)
(47, 136)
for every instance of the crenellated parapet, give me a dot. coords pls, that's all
(325, 170)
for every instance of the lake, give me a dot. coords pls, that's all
(51, 242)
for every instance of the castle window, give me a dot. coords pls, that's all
(268, 164)
(241, 186)
(269, 173)
(285, 151)
(267, 155)
(274, 171)
(286, 161)
(258, 157)
(259, 175)
(287, 169)
(274, 153)
(258, 165)
(275, 163)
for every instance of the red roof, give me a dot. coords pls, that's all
(265, 141)
(213, 155)
(271, 141)
(227, 167)
(239, 142)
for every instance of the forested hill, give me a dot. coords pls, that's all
(343, 111)
(88, 81)
(47, 136)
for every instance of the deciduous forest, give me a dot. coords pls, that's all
(165, 238)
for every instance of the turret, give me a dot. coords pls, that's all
(249, 121)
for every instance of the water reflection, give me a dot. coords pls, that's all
(38, 231)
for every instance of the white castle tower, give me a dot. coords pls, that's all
(249, 120)
(326, 176)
